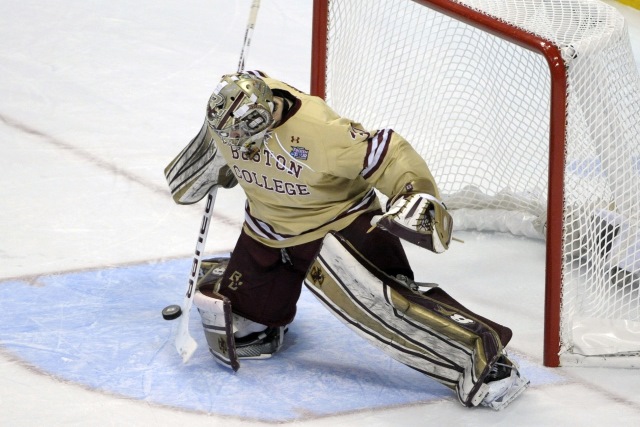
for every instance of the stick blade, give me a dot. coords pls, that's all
(184, 342)
(186, 347)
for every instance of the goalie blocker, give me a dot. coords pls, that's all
(425, 330)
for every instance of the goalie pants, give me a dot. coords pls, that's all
(264, 283)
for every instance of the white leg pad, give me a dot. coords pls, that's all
(217, 320)
(425, 334)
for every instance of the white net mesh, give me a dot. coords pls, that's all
(477, 108)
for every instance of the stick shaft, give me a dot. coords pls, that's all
(248, 33)
(184, 342)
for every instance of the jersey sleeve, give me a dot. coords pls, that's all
(383, 158)
(391, 162)
(345, 149)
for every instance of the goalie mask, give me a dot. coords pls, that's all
(240, 111)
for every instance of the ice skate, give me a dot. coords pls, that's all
(505, 383)
(260, 345)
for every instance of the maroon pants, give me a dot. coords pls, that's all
(264, 284)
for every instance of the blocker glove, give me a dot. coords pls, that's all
(197, 169)
(418, 218)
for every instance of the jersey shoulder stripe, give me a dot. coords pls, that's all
(257, 73)
(377, 148)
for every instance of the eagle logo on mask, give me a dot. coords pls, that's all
(215, 107)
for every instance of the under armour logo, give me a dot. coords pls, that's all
(295, 139)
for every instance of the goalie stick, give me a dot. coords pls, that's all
(248, 33)
(185, 344)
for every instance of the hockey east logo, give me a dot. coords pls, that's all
(456, 317)
(299, 153)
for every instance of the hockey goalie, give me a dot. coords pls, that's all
(313, 216)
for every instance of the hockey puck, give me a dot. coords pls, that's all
(171, 312)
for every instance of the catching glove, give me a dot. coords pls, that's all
(418, 218)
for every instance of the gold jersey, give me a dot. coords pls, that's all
(317, 172)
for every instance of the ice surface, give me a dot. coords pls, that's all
(97, 97)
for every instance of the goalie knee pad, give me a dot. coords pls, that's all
(444, 342)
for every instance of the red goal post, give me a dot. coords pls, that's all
(328, 16)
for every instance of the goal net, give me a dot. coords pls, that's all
(528, 114)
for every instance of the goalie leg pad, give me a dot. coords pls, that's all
(439, 340)
(230, 337)
(217, 320)
(211, 271)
